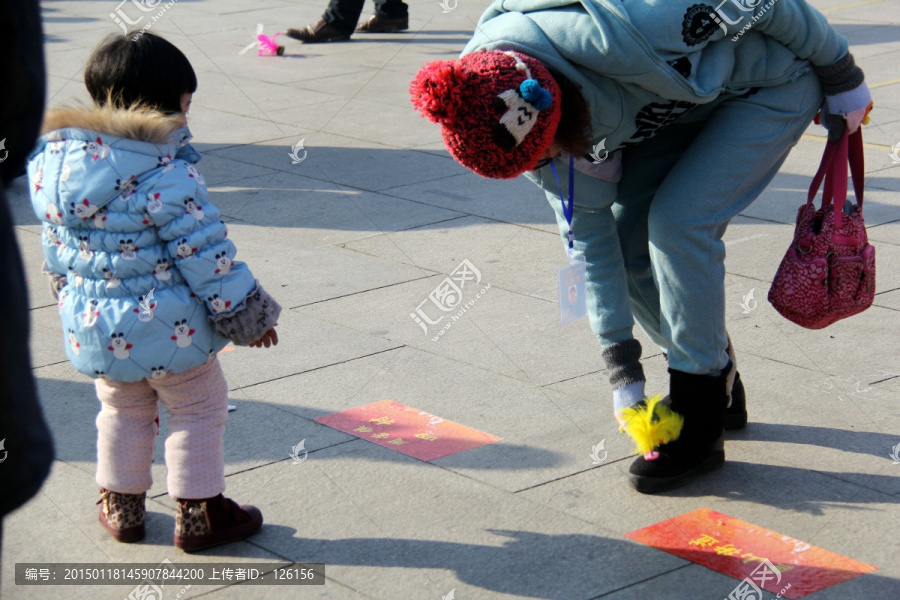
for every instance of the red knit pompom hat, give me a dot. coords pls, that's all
(498, 111)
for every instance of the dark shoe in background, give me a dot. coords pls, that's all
(376, 24)
(318, 33)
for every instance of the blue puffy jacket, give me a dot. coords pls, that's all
(149, 271)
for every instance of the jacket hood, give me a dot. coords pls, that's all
(133, 123)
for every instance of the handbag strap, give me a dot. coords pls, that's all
(833, 170)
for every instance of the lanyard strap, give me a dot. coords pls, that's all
(568, 204)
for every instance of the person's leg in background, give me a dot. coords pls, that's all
(390, 16)
(22, 425)
(126, 435)
(741, 147)
(335, 25)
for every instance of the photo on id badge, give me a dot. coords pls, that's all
(572, 305)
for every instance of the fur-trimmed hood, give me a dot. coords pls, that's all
(140, 124)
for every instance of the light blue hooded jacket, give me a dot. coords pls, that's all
(127, 221)
(641, 63)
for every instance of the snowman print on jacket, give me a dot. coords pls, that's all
(120, 346)
(193, 172)
(127, 249)
(194, 209)
(161, 271)
(223, 263)
(76, 277)
(53, 214)
(112, 280)
(84, 248)
(126, 187)
(218, 304)
(53, 238)
(96, 149)
(38, 179)
(65, 173)
(100, 219)
(89, 316)
(154, 204)
(101, 374)
(84, 210)
(184, 249)
(183, 334)
(56, 146)
(157, 372)
(61, 299)
(73, 343)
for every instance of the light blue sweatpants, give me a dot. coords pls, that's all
(654, 241)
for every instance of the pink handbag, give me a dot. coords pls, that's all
(828, 272)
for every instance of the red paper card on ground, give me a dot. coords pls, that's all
(737, 548)
(407, 430)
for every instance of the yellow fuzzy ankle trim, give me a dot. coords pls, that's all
(651, 424)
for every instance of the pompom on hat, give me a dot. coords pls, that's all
(498, 111)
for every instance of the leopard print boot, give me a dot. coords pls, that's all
(210, 522)
(123, 515)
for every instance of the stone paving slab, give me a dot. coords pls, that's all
(753, 487)
(366, 226)
(32, 254)
(482, 337)
(509, 201)
(315, 273)
(67, 504)
(297, 333)
(857, 343)
(45, 326)
(490, 246)
(755, 248)
(556, 444)
(364, 522)
(376, 166)
(321, 212)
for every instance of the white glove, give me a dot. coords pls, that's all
(853, 105)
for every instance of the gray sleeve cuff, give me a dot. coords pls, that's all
(842, 76)
(57, 281)
(246, 325)
(623, 359)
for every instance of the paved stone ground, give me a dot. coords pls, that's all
(355, 237)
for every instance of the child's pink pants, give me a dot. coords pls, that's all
(197, 403)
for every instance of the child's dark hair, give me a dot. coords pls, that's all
(139, 70)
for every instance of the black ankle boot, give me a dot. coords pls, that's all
(700, 447)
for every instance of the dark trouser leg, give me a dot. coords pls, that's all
(391, 9)
(344, 14)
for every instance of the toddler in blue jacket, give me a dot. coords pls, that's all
(147, 286)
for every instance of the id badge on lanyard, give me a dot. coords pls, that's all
(572, 303)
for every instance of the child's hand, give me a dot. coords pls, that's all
(268, 339)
